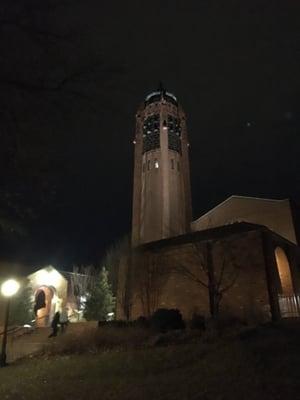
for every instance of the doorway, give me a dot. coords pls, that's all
(288, 300)
(44, 306)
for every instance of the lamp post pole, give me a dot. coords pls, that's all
(4, 339)
(8, 289)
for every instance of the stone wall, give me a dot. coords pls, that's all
(173, 277)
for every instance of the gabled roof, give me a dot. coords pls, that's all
(232, 197)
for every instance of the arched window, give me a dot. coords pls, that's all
(284, 272)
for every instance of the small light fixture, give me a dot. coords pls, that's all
(156, 165)
(134, 141)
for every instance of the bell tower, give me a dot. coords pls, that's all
(161, 192)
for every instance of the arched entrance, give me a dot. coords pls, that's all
(284, 272)
(288, 301)
(44, 307)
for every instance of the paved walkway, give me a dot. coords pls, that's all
(28, 342)
(21, 345)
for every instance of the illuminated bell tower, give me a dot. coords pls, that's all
(161, 193)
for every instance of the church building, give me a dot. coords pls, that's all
(241, 259)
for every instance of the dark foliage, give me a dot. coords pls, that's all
(197, 322)
(164, 320)
(115, 323)
(141, 322)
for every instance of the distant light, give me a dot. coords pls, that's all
(165, 128)
(82, 299)
(156, 165)
(134, 142)
(248, 124)
(10, 287)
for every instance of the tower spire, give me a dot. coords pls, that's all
(161, 87)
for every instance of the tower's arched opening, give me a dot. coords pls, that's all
(288, 300)
(40, 301)
(44, 305)
(284, 272)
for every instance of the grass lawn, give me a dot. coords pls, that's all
(263, 364)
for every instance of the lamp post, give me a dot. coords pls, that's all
(8, 289)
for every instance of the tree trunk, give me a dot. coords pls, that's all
(213, 302)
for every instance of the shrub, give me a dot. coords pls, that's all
(164, 320)
(197, 322)
(142, 322)
(94, 340)
(119, 323)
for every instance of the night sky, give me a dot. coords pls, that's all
(72, 77)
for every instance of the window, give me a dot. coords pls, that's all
(148, 165)
(172, 163)
(151, 138)
(178, 166)
(174, 133)
(144, 167)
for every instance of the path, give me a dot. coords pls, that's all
(27, 343)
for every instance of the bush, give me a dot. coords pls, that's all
(115, 323)
(197, 322)
(142, 322)
(164, 320)
(93, 340)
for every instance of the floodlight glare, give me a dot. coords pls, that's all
(10, 287)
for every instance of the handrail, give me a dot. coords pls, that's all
(19, 327)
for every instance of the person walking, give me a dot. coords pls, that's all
(54, 324)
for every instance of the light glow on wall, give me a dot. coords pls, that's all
(284, 272)
(48, 278)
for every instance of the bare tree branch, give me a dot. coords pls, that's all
(217, 280)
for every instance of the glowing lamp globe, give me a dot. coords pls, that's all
(10, 287)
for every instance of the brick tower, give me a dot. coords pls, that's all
(161, 193)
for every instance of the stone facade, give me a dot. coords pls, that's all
(173, 273)
(240, 258)
(161, 195)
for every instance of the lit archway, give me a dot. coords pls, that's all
(284, 272)
(44, 307)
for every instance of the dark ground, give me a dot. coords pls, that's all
(260, 364)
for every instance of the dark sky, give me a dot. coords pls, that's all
(70, 99)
